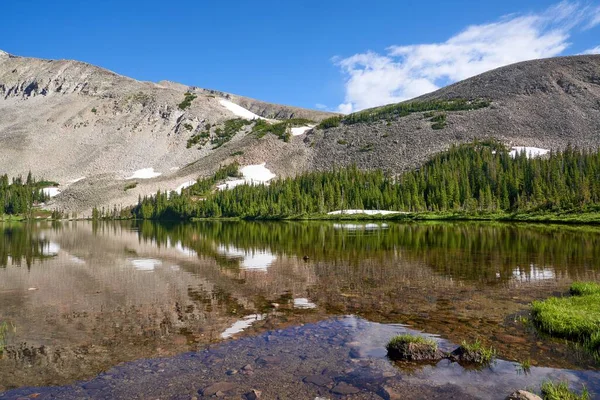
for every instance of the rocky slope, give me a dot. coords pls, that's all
(543, 103)
(91, 129)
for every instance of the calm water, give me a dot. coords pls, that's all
(79, 298)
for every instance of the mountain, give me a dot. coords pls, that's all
(547, 103)
(90, 129)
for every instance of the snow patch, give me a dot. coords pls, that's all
(184, 186)
(253, 175)
(239, 110)
(77, 180)
(144, 173)
(145, 264)
(301, 130)
(51, 191)
(257, 173)
(240, 325)
(303, 303)
(366, 212)
(532, 152)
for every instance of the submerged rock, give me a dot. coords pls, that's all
(219, 387)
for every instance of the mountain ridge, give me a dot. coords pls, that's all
(66, 120)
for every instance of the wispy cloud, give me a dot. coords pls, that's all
(405, 72)
(595, 50)
(320, 106)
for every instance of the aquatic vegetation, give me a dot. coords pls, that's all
(413, 348)
(561, 391)
(576, 317)
(473, 353)
(5, 329)
(524, 366)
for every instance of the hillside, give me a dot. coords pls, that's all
(107, 139)
(89, 129)
(543, 103)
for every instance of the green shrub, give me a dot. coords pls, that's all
(130, 186)
(330, 122)
(439, 121)
(94, 110)
(280, 129)
(237, 153)
(229, 130)
(367, 147)
(187, 100)
(188, 127)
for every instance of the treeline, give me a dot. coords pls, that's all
(19, 196)
(394, 111)
(476, 177)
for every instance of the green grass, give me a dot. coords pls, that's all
(524, 366)
(584, 288)
(237, 153)
(575, 317)
(561, 391)
(487, 353)
(408, 338)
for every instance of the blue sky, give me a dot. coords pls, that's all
(344, 55)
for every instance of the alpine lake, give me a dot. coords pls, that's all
(282, 310)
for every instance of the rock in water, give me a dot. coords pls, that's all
(523, 395)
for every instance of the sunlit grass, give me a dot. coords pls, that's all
(561, 391)
(576, 317)
(408, 338)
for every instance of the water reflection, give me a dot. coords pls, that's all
(112, 292)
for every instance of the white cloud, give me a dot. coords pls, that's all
(405, 72)
(595, 50)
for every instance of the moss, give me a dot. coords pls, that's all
(130, 186)
(342, 141)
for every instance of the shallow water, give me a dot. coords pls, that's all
(78, 298)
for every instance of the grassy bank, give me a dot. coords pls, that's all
(575, 317)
